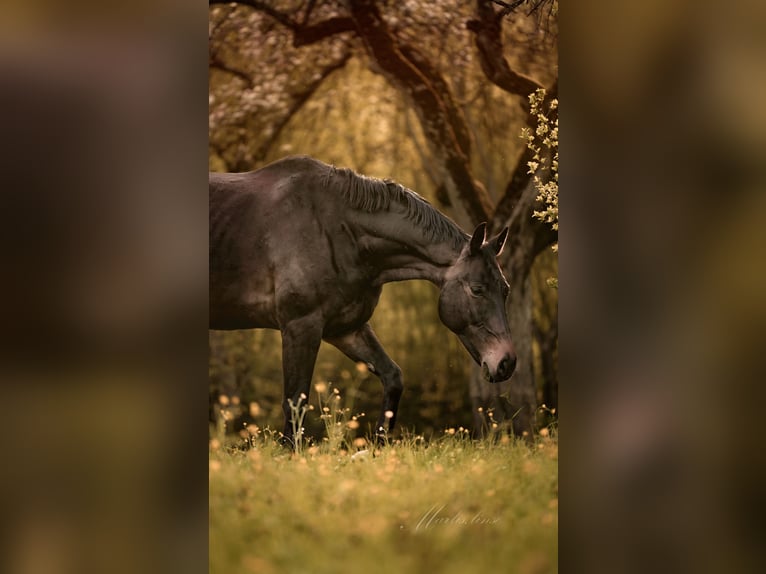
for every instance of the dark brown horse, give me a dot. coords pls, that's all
(305, 248)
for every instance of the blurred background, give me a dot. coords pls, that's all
(434, 96)
(103, 297)
(663, 315)
(106, 357)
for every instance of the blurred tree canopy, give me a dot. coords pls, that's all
(434, 95)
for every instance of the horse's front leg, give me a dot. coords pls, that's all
(363, 346)
(300, 344)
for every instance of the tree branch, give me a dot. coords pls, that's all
(303, 35)
(431, 99)
(513, 190)
(508, 7)
(217, 63)
(489, 42)
(441, 90)
(307, 13)
(527, 236)
(280, 17)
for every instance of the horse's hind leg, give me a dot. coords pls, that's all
(363, 346)
(300, 344)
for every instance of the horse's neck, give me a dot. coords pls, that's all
(400, 250)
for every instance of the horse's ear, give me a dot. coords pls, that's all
(498, 242)
(478, 237)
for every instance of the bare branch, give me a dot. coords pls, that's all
(513, 190)
(307, 13)
(304, 35)
(489, 41)
(442, 121)
(217, 63)
(280, 17)
(536, 4)
(527, 236)
(508, 7)
(441, 90)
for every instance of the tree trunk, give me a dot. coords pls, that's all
(547, 341)
(517, 397)
(511, 404)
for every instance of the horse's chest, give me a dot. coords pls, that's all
(349, 312)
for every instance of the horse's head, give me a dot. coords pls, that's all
(472, 305)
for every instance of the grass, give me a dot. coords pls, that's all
(451, 505)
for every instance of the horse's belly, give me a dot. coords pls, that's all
(350, 315)
(227, 318)
(241, 308)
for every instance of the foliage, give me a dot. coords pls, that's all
(544, 143)
(449, 506)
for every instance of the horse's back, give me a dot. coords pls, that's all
(267, 186)
(259, 224)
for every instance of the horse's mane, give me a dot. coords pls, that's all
(373, 195)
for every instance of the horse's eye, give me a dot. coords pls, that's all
(477, 290)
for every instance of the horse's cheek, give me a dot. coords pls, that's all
(449, 312)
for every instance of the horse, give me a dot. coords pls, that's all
(305, 247)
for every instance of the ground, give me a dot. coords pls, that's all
(449, 505)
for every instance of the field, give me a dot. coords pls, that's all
(449, 505)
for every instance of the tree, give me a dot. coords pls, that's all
(424, 51)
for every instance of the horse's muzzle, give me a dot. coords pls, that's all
(504, 370)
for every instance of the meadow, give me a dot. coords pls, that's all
(446, 505)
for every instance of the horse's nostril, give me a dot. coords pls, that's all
(506, 367)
